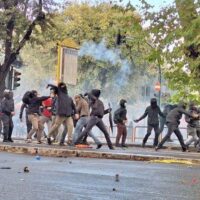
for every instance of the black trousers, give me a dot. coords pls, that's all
(7, 126)
(173, 128)
(149, 129)
(95, 121)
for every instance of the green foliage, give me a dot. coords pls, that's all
(175, 31)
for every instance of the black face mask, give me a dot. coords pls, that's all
(122, 103)
(154, 103)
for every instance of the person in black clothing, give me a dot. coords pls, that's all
(65, 109)
(8, 112)
(33, 112)
(152, 112)
(96, 115)
(120, 119)
(166, 110)
(173, 121)
(192, 126)
(28, 123)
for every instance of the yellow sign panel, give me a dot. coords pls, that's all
(66, 69)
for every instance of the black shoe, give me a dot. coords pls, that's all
(198, 151)
(61, 144)
(112, 148)
(10, 140)
(99, 146)
(5, 140)
(143, 145)
(49, 141)
(184, 149)
(123, 145)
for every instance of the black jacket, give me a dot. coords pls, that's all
(175, 115)
(64, 103)
(120, 115)
(152, 114)
(23, 106)
(34, 104)
(7, 105)
(191, 121)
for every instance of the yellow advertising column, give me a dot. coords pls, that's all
(67, 64)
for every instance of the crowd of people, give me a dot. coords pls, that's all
(78, 116)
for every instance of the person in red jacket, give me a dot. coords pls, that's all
(46, 113)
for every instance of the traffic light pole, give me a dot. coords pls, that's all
(119, 41)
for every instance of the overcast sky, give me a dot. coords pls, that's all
(156, 3)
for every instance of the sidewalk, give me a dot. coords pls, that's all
(172, 154)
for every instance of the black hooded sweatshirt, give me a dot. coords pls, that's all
(96, 105)
(7, 104)
(175, 115)
(64, 103)
(152, 112)
(120, 113)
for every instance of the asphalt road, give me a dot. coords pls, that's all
(88, 179)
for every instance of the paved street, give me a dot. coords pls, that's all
(81, 178)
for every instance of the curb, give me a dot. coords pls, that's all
(50, 152)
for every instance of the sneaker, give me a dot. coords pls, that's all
(143, 145)
(156, 149)
(28, 141)
(49, 141)
(61, 144)
(99, 146)
(184, 149)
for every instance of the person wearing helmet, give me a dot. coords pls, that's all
(120, 120)
(152, 112)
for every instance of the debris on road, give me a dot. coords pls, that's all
(26, 170)
(5, 167)
(117, 177)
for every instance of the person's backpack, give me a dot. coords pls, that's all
(116, 117)
(26, 97)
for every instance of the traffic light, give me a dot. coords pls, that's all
(120, 39)
(16, 79)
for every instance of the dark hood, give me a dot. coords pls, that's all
(182, 105)
(33, 94)
(122, 103)
(62, 87)
(96, 93)
(192, 106)
(6, 94)
(153, 103)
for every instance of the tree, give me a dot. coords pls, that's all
(175, 30)
(18, 20)
(98, 26)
